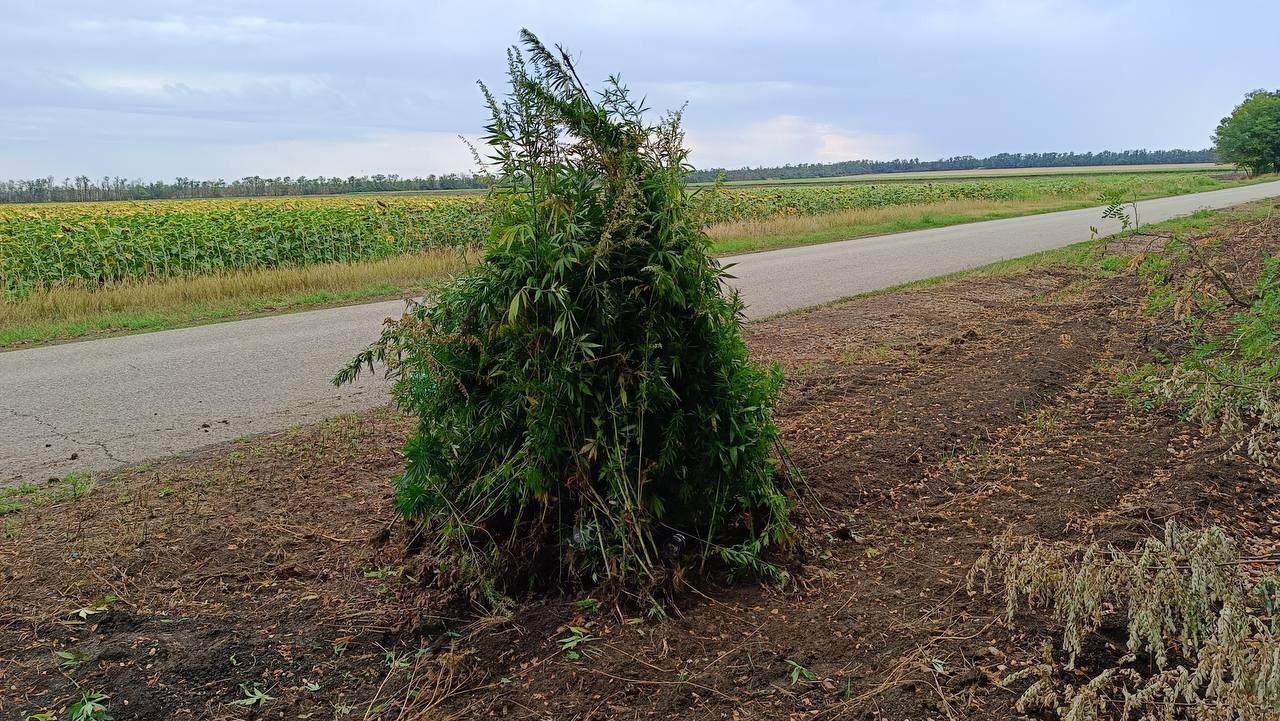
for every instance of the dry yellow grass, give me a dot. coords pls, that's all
(175, 295)
(895, 217)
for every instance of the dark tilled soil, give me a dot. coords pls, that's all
(925, 422)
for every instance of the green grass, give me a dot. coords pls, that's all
(30, 495)
(181, 317)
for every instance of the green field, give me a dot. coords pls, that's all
(990, 173)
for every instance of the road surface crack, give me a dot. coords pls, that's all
(75, 442)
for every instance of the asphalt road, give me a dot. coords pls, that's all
(95, 405)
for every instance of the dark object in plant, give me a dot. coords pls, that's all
(585, 391)
(673, 548)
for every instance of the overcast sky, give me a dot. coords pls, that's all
(287, 87)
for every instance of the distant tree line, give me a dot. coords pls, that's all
(960, 162)
(83, 188)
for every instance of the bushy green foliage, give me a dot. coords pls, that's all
(1250, 135)
(1204, 631)
(587, 410)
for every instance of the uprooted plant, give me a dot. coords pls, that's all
(1203, 625)
(587, 413)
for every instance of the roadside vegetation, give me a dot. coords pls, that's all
(1228, 306)
(99, 244)
(984, 174)
(1203, 639)
(587, 414)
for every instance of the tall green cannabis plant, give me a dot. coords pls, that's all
(587, 413)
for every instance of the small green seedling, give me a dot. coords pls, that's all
(98, 606)
(575, 644)
(799, 673)
(90, 707)
(71, 659)
(395, 661)
(254, 696)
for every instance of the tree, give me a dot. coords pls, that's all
(1250, 136)
(587, 413)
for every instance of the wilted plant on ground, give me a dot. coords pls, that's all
(1203, 631)
(588, 413)
(1229, 381)
(1233, 382)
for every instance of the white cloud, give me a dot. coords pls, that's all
(235, 29)
(406, 154)
(159, 84)
(724, 92)
(794, 139)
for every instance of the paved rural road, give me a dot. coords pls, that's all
(95, 405)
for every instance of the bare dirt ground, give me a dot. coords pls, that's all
(925, 422)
